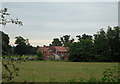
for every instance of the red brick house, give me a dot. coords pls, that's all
(55, 52)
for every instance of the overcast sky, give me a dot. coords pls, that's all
(44, 21)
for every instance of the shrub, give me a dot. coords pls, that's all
(110, 75)
(39, 55)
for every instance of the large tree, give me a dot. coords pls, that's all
(82, 50)
(23, 46)
(113, 37)
(66, 41)
(107, 45)
(56, 42)
(84, 36)
(101, 46)
(5, 43)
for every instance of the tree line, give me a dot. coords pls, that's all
(22, 47)
(102, 46)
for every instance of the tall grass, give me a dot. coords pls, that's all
(60, 71)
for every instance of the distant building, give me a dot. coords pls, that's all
(55, 52)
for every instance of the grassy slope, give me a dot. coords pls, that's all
(44, 71)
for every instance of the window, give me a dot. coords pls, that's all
(48, 51)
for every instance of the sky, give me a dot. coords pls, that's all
(43, 21)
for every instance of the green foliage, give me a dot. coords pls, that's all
(20, 40)
(52, 79)
(113, 37)
(84, 36)
(40, 54)
(72, 81)
(82, 79)
(8, 64)
(11, 70)
(109, 75)
(4, 21)
(66, 41)
(107, 45)
(5, 43)
(101, 46)
(81, 51)
(56, 42)
(23, 47)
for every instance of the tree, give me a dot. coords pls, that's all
(5, 43)
(8, 65)
(84, 36)
(4, 21)
(40, 55)
(35, 50)
(56, 42)
(107, 45)
(101, 46)
(23, 46)
(113, 37)
(82, 51)
(20, 40)
(66, 41)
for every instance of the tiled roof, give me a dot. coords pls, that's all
(58, 48)
(43, 48)
(61, 48)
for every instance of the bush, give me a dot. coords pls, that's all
(110, 75)
(40, 55)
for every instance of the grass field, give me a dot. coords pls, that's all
(59, 71)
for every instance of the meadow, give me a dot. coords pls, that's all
(60, 71)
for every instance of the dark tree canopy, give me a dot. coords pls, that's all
(105, 47)
(82, 51)
(56, 42)
(66, 41)
(101, 46)
(23, 46)
(84, 36)
(113, 37)
(5, 43)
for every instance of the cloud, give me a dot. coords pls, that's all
(45, 21)
(61, 0)
(34, 42)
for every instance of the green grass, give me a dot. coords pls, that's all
(18, 56)
(46, 71)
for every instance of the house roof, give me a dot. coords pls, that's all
(44, 48)
(61, 48)
(54, 48)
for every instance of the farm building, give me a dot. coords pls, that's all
(55, 52)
